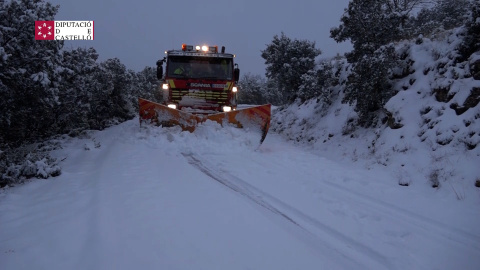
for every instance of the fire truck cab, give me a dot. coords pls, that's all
(199, 79)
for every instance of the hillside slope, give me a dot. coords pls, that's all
(431, 130)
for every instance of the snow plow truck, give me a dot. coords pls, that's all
(200, 84)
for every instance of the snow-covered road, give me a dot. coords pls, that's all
(156, 198)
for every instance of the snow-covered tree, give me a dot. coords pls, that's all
(369, 24)
(309, 87)
(287, 60)
(28, 74)
(471, 41)
(45, 90)
(444, 14)
(252, 89)
(118, 96)
(328, 78)
(146, 85)
(75, 94)
(451, 13)
(369, 86)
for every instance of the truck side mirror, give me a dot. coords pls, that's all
(159, 69)
(236, 73)
(159, 72)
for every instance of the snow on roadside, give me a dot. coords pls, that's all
(127, 198)
(439, 141)
(160, 198)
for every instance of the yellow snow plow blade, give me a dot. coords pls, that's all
(257, 117)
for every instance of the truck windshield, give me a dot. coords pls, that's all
(214, 68)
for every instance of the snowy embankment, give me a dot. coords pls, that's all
(158, 198)
(435, 117)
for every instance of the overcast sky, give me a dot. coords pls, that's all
(138, 32)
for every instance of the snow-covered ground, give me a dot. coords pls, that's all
(434, 143)
(158, 198)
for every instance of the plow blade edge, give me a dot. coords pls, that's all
(257, 117)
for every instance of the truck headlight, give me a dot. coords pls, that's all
(234, 89)
(172, 106)
(165, 86)
(227, 108)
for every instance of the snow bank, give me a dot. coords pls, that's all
(437, 108)
(209, 137)
(158, 198)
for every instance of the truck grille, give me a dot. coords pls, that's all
(214, 96)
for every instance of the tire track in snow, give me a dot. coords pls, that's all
(96, 186)
(99, 199)
(325, 236)
(425, 224)
(437, 230)
(245, 192)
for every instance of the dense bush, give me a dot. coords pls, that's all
(287, 62)
(46, 90)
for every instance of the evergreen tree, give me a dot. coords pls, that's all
(273, 94)
(28, 74)
(252, 89)
(371, 25)
(471, 41)
(445, 14)
(451, 13)
(147, 85)
(101, 88)
(368, 24)
(118, 94)
(75, 95)
(327, 78)
(287, 60)
(309, 87)
(46, 91)
(424, 23)
(369, 86)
